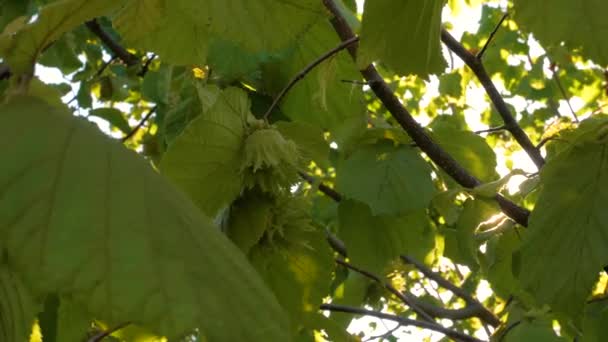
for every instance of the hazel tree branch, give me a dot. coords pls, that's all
(405, 298)
(426, 310)
(484, 314)
(437, 154)
(474, 308)
(140, 124)
(100, 336)
(476, 65)
(491, 37)
(401, 320)
(118, 50)
(5, 71)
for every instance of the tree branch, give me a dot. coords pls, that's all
(118, 50)
(491, 130)
(491, 37)
(140, 124)
(401, 320)
(104, 334)
(511, 125)
(308, 69)
(411, 126)
(5, 71)
(485, 314)
(325, 189)
(564, 94)
(405, 298)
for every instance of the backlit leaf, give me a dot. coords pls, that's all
(205, 159)
(391, 180)
(569, 225)
(411, 48)
(139, 250)
(581, 24)
(23, 47)
(373, 241)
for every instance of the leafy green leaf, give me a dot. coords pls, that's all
(83, 217)
(320, 99)
(411, 48)
(499, 267)
(114, 116)
(569, 226)
(594, 322)
(205, 160)
(21, 48)
(294, 259)
(180, 31)
(461, 245)
(309, 140)
(391, 180)
(583, 24)
(18, 307)
(250, 216)
(373, 241)
(533, 332)
(469, 149)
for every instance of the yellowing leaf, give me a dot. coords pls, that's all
(81, 216)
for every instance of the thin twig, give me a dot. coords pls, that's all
(146, 67)
(457, 314)
(394, 106)
(491, 130)
(564, 95)
(5, 71)
(139, 125)
(354, 82)
(325, 189)
(406, 299)
(484, 313)
(401, 320)
(118, 50)
(308, 69)
(382, 336)
(485, 46)
(479, 70)
(104, 334)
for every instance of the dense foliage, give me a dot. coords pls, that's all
(237, 170)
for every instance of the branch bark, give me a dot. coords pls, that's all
(411, 126)
(511, 125)
(401, 320)
(117, 49)
(5, 72)
(484, 314)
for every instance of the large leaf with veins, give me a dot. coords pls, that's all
(82, 216)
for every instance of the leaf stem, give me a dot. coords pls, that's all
(300, 75)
